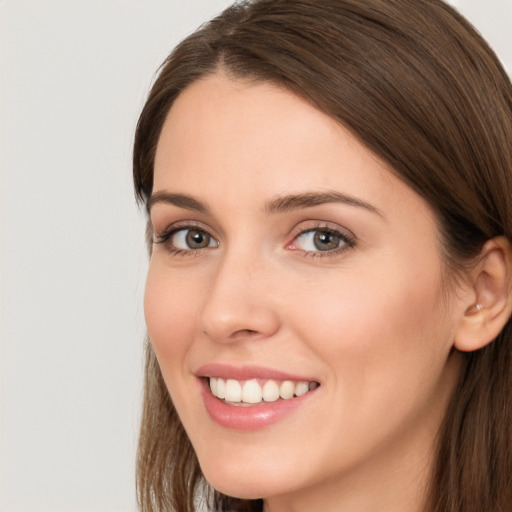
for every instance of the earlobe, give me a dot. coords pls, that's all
(490, 303)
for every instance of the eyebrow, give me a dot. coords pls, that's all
(280, 204)
(311, 199)
(180, 200)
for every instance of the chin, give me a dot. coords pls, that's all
(246, 483)
(234, 486)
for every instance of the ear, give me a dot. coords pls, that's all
(488, 303)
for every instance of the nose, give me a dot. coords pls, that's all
(239, 303)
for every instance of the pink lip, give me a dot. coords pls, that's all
(253, 417)
(246, 372)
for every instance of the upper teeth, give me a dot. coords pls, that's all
(252, 392)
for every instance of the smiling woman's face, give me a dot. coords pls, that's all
(288, 258)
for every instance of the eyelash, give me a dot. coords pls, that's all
(165, 238)
(348, 240)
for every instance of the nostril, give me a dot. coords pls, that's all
(237, 320)
(244, 333)
(241, 333)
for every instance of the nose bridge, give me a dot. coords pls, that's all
(238, 302)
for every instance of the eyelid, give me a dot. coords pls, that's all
(182, 224)
(163, 237)
(312, 225)
(345, 234)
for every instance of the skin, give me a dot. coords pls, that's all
(373, 322)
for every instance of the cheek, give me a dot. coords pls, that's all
(379, 330)
(348, 307)
(170, 309)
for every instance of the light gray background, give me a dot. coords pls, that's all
(73, 77)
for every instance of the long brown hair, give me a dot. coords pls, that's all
(420, 88)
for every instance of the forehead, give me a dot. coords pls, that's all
(240, 142)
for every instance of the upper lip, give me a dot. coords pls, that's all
(247, 372)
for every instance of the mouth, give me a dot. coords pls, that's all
(250, 397)
(251, 392)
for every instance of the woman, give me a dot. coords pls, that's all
(328, 297)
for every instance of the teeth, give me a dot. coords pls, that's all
(213, 386)
(301, 388)
(221, 389)
(270, 391)
(251, 392)
(233, 391)
(287, 389)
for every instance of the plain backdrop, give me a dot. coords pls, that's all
(73, 78)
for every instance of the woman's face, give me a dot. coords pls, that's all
(287, 258)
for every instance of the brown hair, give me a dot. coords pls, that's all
(421, 89)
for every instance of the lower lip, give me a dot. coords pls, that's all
(249, 418)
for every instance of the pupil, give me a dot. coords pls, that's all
(325, 241)
(197, 239)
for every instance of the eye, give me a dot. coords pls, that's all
(321, 240)
(191, 238)
(185, 240)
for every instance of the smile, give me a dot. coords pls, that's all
(251, 397)
(257, 391)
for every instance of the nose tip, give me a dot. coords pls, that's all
(238, 309)
(236, 320)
